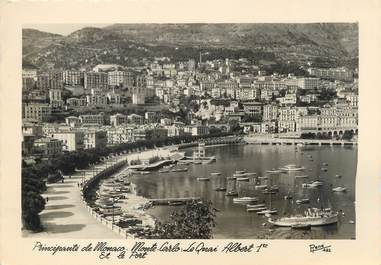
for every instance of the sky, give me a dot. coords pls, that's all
(62, 29)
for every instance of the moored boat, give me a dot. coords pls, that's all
(180, 169)
(245, 199)
(312, 217)
(258, 187)
(301, 176)
(255, 205)
(292, 167)
(231, 193)
(274, 171)
(243, 179)
(215, 173)
(302, 201)
(339, 189)
(220, 189)
(257, 209)
(203, 179)
(267, 211)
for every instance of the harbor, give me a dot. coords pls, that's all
(252, 191)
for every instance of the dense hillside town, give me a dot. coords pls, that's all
(73, 109)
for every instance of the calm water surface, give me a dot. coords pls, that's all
(233, 221)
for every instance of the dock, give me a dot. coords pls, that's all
(167, 201)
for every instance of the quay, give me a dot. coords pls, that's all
(285, 141)
(167, 201)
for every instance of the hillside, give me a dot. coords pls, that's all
(128, 43)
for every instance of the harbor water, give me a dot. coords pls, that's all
(333, 165)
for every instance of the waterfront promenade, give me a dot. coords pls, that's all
(65, 214)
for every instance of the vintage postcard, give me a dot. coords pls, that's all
(238, 134)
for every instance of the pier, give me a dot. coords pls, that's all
(167, 201)
(285, 141)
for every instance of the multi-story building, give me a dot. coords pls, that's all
(197, 130)
(97, 80)
(252, 108)
(96, 100)
(270, 112)
(37, 111)
(332, 73)
(118, 119)
(92, 119)
(73, 121)
(71, 140)
(76, 102)
(73, 78)
(116, 78)
(307, 83)
(47, 146)
(135, 119)
(308, 122)
(32, 129)
(151, 117)
(120, 134)
(94, 139)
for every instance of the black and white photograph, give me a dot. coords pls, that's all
(189, 130)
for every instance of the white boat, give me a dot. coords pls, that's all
(255, 205)
(292, 168)
(324, 169)
(258, 209)
(317, 183)
(258, 187)
(243, 179)
(308, 185)
(203, 179)
(264, 177)
(180, 169)
(301, 176)
(312, 217)
(215, 173)
(338, 176)
(302, 201)
(339, 189)
(245, 199)
(231, 193)
(268, 211)
(240, 171)
(274, 171)
(244, 174)
(299, 144)
(163, 171)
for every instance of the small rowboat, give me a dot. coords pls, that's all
(220, 189)
(215, 173)
(231, 193)
(243, 179)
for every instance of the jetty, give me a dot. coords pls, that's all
(169, 201)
